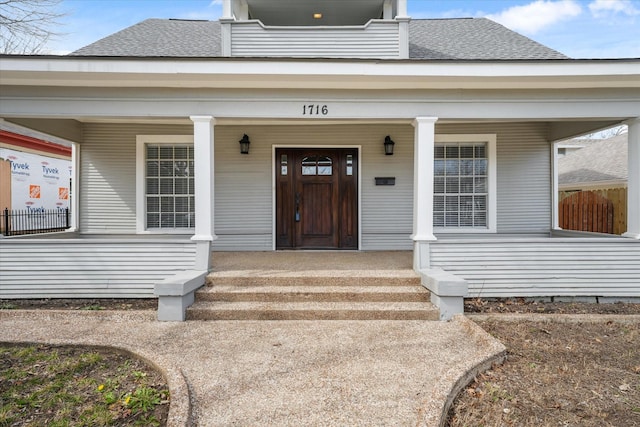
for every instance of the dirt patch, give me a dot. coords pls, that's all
(522, 305)
(80, 304)
(557, 374)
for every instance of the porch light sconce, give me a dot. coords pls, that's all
(244, 144)
(388, 145)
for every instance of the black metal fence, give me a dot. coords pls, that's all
(18, 222)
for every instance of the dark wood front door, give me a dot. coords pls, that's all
(316, 198)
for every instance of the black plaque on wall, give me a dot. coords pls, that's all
(385, 180)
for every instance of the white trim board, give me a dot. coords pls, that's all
(319, 74)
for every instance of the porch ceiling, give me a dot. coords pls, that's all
(64, 131)
(59, 131)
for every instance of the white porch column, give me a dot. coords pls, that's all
(387, 9)
(227, 12)
(204, 188)
(402, 9)
(633, 182)
(424, 141)
(403, 29)
(241, 10)
(75, 189)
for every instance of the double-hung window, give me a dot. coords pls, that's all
(165, 184)
(464, 183)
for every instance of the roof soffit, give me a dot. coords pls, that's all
(301, 12)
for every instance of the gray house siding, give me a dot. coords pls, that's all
(108, 174)
(524, 174)
(377, 39)
(243, 217)
(90, 268)
(243, 200)
(244, 183)
(540, 267)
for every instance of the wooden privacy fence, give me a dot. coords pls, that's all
(586, 211)
(618, 196)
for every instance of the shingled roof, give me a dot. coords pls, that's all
(600, 161)
(429, 39)
(160, 38)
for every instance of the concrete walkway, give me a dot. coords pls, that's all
(281, 373)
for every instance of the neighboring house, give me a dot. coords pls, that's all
(40, 172)
(599, 164)
(567, 147)
(597, 169)
(34, 181)
(161, 110)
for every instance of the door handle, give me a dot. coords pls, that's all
(297, 207)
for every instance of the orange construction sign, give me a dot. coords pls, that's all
(63, 193)
(34, 191)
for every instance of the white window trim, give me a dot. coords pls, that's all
(492, 193)
(141, 200)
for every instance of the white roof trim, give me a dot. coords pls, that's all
(326, 74)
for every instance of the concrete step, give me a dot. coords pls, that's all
(334, 278)
(295, 292)
(313, 293)
(222, 310)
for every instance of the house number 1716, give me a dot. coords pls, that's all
(315, 110)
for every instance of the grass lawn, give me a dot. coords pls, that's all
(43, 385)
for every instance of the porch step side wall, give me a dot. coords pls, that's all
(90, 268)
(543, 267)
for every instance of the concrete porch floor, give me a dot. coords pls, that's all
(314, 263)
